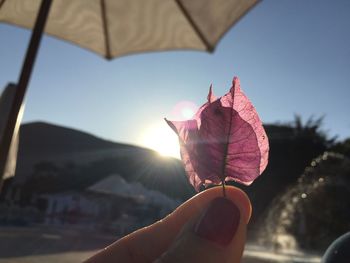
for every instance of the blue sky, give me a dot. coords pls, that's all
(292, 57)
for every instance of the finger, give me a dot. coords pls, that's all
(218, 235)
(147, 244)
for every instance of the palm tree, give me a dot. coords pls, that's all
(311, 131)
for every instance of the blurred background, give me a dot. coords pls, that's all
(97, 161)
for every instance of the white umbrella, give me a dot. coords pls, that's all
(114, 28)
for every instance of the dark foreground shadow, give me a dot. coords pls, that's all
(39, 240)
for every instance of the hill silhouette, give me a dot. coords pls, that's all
(68, 159)
(43, 138)
(54, 158)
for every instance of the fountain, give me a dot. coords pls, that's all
(312, 212)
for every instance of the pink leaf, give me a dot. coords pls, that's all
(224, 141)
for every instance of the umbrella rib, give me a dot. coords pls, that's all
(105, 29)
(2, 3)
(200, 34)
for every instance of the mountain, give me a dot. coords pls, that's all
(66, 159)
(77, 160)
(43, 138)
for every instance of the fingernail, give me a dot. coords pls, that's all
(219, 223)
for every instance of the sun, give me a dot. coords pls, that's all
(161, 138)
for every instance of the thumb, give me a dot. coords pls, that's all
(203, 229)
(217, 235)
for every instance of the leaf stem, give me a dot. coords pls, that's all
(223, 188)
(228, 138)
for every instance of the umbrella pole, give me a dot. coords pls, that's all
(23, 81)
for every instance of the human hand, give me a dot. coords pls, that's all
(206, 228)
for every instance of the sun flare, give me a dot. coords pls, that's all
(161, 138)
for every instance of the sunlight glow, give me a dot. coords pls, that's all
(161, 138)
(187, 113)
(183, 110)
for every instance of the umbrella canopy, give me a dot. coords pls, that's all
(114, 28)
